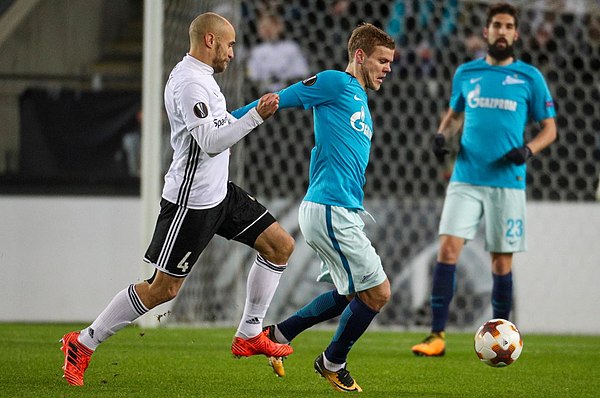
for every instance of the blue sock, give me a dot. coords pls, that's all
(444, 280)
(502, 295)
(325, 306)
(355, 319)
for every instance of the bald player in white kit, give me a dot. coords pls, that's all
(198, 202)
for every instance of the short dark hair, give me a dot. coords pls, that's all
(367, 36)
(502, 8)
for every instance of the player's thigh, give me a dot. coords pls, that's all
(313, 225)
(462, 211)
(337, 234)
(505, 212)
(180, 236)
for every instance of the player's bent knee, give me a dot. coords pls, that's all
(161, 296)
(378, 296)
(384, 297)
(376, 303)
(284, 245)
(165, 291)
(171, 293)
(281, 251)
(275, 244)
(288, 246)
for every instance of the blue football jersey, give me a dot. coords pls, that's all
(342, 128)
(497, 102)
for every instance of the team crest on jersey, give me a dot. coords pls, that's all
(200, 110)
(358, 123)
(474, 100)
(310, 81)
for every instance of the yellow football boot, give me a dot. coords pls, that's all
(434, 345)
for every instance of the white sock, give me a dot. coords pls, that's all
(260, 288)
(124, 308)
(280, 337)
(331, 366)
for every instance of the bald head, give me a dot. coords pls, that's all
(207, 23)
(211, 40)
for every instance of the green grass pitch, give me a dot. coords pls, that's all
(187, 362)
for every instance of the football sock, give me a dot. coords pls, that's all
(124, 308)
(325, 306)
(263, 279)
(502, 295)
(332, 366)
(444, 279)
(355, 319)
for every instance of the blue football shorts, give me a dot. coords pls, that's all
(348, 259)
(502, 210)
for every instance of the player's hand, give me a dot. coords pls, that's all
(439, 147)
(267, 105)
(519, 155)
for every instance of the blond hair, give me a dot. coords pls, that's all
(367, 37)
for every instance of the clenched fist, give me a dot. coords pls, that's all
(267, 105)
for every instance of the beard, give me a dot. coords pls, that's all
(501, 53)
(220, 60)
(219, 65)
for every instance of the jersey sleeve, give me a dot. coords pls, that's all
(194, 105)
(239, 112)
(457, 100)
(316, 90)
(287, 99)
(231, 118)
(542, 105)
(214, 140)
(320, 89)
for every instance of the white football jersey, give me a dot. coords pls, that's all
(202, 131)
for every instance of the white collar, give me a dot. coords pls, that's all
(198, 65)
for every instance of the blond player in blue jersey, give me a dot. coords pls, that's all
(329, 215)
(492, 99)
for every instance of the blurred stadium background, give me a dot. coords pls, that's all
(62, 58)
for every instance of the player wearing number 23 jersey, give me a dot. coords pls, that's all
(497, 102)
(492, 99)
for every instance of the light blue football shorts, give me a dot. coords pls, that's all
(348, 260)
(502, 209)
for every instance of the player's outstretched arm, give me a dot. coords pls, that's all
(239, 112)
(287, 99)
(215, 139)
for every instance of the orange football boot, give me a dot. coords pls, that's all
(77, 358)
(260, 344)
(434, 345)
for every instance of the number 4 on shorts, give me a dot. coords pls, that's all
(184, 265)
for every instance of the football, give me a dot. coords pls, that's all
(498, 343)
